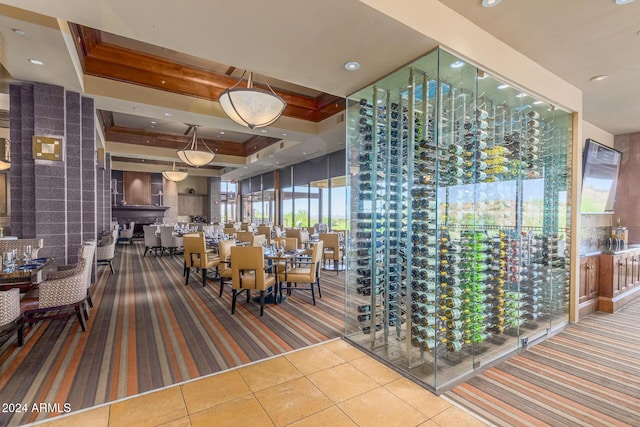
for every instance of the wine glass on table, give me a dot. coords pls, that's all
(27, 254)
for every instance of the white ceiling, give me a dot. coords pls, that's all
(307, 42)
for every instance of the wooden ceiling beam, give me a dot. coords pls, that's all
(122, 64)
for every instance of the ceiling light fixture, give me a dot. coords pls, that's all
(538, 102)
(36, 61)
(352, 66)
(598, 78)
(490, 3)
(19, 32)
(251, 107)
(191, 155)
(174, 175)
(623, 1)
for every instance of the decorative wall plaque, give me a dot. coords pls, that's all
(47, 148)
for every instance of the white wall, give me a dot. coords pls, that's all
(592, 132)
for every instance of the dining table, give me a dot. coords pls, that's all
(24, 275)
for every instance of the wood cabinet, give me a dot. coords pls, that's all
(589, 284)
(619, 279)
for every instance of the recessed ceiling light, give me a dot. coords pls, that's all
(19, 32)
(598, 78)
(503, 86)
(36, 62)
(167, 114)
(351, 66)
(457, 64)
(490, 3)
(153, 122)
(623, 1)
(284, 134)
(221, 132)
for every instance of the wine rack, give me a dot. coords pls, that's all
(459, 219)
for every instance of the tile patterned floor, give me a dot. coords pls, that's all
(332, 384)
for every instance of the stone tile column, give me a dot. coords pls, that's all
(53, 200)
(214, 199)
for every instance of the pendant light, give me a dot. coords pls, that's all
(252, 107)
(191, 155)
(173, 174)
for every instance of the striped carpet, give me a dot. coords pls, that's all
(587, 375)
(148, 330)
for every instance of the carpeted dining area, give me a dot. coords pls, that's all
(586, 375)
(148, 330)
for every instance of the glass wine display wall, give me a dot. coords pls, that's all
(459, 218)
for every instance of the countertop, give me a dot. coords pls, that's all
(610, 252)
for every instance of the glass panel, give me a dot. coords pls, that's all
(459, 218)
(301, 206)
(314, 204)
(287, 207)
(258, 213)
(247, 207)
(268, 200)
(338, 200)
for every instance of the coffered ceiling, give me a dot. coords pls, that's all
(156, 67)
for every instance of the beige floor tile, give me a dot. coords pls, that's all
(269, 373)
(148, 410)
(455, 416)
(342, 382)
(330, 417)
(292, 401)
(344, 350)
(375, 370)
(314, 359)
(180, 422)
(428, 423)
(382, 408)
(93, 418)
(214, 390)
(245, 411)
(423, 400)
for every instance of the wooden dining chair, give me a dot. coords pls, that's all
(197, 256)
(248, 273)
(225, 271)
(308, 274)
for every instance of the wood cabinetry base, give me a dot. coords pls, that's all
(610, 305)
(587, 307)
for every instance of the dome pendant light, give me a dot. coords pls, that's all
(251, 107)
(192, 156)
(173, 174)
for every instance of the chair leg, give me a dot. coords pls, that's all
(204, 277)
(335, 265)
(188, 271)
(21, 333)
(319, 291)
(111, 266)
(233, 300)
(89, 300)
(261, 303)
(85, 311)
(80, 317)
(221, 286)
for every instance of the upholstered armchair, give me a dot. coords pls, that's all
(126, 234)
(168, 241)
(310, 274)
(10, 316)
(64, 295)
(197, 256)
(245, 236)
(224, 251)
(332, 249)
(152, 240)
(248, 273)
(107, 251)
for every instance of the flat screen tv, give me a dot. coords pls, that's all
(600, 171)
